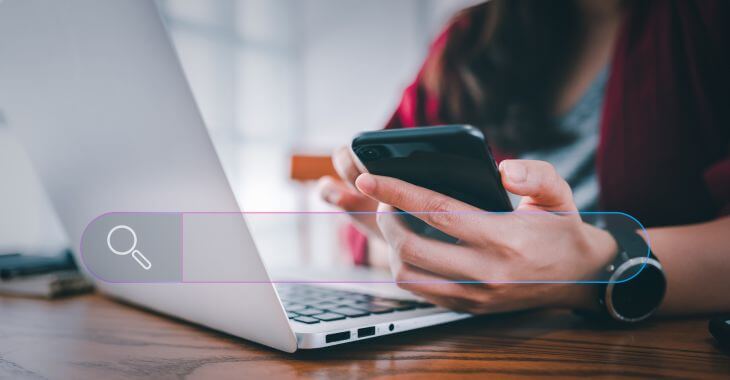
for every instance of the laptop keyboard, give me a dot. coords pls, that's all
(314, 304)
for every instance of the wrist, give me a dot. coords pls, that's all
(602, 250)
(599, 249)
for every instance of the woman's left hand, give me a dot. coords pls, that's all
(494, 250)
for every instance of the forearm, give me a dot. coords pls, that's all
(696, 260)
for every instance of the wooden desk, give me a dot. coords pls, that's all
(94, 337)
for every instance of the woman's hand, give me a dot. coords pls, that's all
(343, 194)
(494, 248)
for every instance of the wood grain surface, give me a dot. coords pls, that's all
(92, 337)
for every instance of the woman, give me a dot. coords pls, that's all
(622, 102)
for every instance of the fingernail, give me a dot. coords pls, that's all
(514, 171)
(331, 196)
(366, 183)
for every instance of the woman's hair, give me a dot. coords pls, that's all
(500, 67)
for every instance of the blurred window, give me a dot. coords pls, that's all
(275, 76)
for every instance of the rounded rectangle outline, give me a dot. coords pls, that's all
(182, 214)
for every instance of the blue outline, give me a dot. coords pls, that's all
(473, 282)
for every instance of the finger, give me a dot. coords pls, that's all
(538, 183)
(446, 214)
(330, 189)
(443, 259)
(344, 165)
(440, 290)
(337, 193)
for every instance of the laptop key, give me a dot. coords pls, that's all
(309, 311)
(397, 305)
(329, 299)
(350, 312)
(305, 319)
(295, 307)
(359, 297)
(375, 309)
(329, 316)
(350, 302)
(291, 315)
(324, 305)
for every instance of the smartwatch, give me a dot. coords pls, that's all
(634, 282)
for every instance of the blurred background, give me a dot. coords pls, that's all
(271, 78)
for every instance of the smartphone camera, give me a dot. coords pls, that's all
(372, 152)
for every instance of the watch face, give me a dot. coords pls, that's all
(639, 296)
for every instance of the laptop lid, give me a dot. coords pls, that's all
(94, 91)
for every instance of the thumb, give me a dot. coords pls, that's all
(540, 186)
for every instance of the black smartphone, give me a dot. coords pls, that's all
(454, 160)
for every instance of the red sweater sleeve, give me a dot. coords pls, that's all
(717, 178)
(717, 175)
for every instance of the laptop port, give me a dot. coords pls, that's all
(366, 331)
(337, 337)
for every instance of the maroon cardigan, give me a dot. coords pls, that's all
(663, 155)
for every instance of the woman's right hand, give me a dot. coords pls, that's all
(343, 194)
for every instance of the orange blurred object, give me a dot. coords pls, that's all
(310, 167)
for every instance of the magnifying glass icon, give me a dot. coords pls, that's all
(137, 255)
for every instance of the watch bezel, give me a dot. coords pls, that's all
(614, 280)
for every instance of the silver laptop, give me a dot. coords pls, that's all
(94, 91)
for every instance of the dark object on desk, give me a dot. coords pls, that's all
(48, 285)
(41, 276)
(720, 329)
(15, 265)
